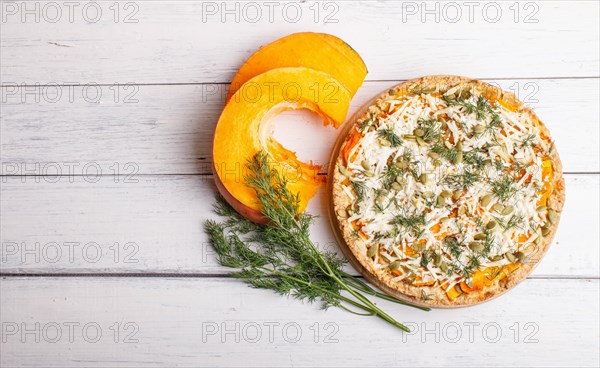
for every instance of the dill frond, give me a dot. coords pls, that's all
(410, 222)
(474, 159)
(431, 128)
(389, 135)
(280, 256)
(453, 245)
(482, 108)
(463, 180)
(360, 189)
(450, 154)
(527, 140)
(504, 188)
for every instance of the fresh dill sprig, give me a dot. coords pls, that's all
(389, 135)
(527, 140)
(513, 221)
(360, 189)
(482, 108)
(389, 175)
(402, 165)
(463, 180)
(424, 295)
(425, 259)
(499, 165)
(453, 245)
(365, 124)
(450, 154)
(503, 188)
(395, 170)
(455, 268)
(410, 222)
(488, 243)
(495, 122)
(377, 236)
(431, 129)
(460, 101)
(474, 263)
(280, 256)
(379, 208)
(474, 159)
(407, 155)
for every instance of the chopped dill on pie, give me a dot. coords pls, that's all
(448, 188)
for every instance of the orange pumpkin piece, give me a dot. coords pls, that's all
(465, 287)
(244, 129)
(453, 293)
(506, 104)
(523, 238)
(350, 144)
(410, 251)
(420, 282)
(318, 51)
(547, 176)
(479, 280)
(509, 268)
(485, 277)
(436, 228)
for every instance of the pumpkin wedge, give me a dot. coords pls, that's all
(307, 49)
(244, 129)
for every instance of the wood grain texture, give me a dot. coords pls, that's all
(168, 322)
(184, 42)
(162, 216)
(127, 121)
(169, 130)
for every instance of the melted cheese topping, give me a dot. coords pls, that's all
(446, 185)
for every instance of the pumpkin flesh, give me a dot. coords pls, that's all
(318, 51)
(245, 128)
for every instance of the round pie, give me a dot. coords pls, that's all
(446, 191)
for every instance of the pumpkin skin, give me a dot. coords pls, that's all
(319, 51)
(244, 129)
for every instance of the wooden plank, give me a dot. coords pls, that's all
(131, 133)
(200, 42)
(155, 226)
(169, 130)
(221, 322)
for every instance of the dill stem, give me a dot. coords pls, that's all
(341, 297)
(367, 304)
(355, 312)
(280, 208)
(380, 313)
(360, 285)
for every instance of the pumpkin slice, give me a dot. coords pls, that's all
(454, 292)
(313, 50)
(244, 129)
(547, 178)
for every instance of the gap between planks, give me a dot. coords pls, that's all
(25, 85)
(190, 275)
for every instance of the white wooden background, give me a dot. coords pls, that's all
(113, 270)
